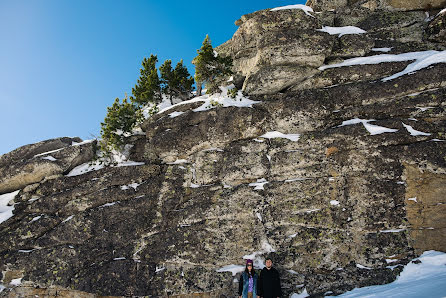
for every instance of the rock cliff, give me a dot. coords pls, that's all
(338, 171)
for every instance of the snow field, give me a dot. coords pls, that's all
(427, 279)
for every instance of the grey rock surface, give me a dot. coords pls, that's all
(32, 163)
(362, 182)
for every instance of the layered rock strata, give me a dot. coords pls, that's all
(336, 173)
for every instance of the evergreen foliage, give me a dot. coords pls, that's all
(176, 82)
(209, 66)
(123, 117)
(148, 89)
(118, 124)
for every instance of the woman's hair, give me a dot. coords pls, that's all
(252, 270)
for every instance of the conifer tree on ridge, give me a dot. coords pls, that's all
(209, 66)
(176, 82)
(147, 89)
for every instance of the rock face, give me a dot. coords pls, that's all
(352, 190)
(402, 5)
(32, 163)
(275, 50)
(436, 31)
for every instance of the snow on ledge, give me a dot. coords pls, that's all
(97, 165)
(259, 184)
(178, 162)
(49, 157)
(215, 100)
(427, 279)
(381, 49)
(392, 231)
(305, 8)
(441, 12)
(16, 282)
(175, 114)
(234, 269)
(372, 129)
(342, 30)
(414, 132)
(438, 57)
(422, 59)
(82, 143)
(5, 210)
(363, 267)
(277, 134)
(49, 152)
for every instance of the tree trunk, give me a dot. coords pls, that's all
(198, 89)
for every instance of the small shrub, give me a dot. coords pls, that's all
(232, 93)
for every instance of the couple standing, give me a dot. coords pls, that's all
(267, 285)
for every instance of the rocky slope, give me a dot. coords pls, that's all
(352, 189)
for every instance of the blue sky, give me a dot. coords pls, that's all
(62, 63)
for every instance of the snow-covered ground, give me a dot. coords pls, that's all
(427, 279)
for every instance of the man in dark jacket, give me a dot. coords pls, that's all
(268, 285)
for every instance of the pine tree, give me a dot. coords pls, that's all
(209, 66)
(167, 79)
(176, 82)
(184, 81)
(118, 124)
(147, 88)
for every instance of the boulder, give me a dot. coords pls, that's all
(29, 151)
(273, 50)
(283, 45)
(274, 79)
(33, 163)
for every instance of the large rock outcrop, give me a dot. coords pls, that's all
(32, 163)
(401, 5)
(352, 190)
(275, 50)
